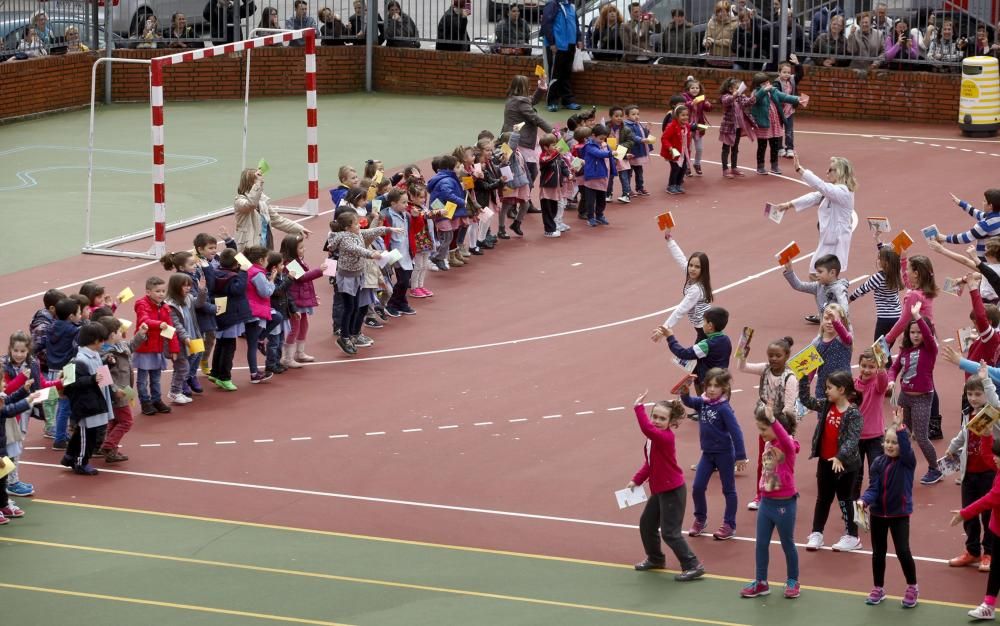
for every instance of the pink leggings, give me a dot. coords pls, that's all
(300, 327)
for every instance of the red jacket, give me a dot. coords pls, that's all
(673, 138)
(991, 502)
(985, 347)
(661, 466)
(418, 224)
(151, 314)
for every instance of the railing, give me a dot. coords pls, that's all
(748, 35)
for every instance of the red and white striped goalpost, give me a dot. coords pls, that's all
(156, 67)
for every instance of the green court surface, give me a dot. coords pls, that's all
(114, 566)
(43, 162)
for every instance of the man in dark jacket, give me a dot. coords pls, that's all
(453, 27)
(679, 38)
(562, 35)
(224, 17)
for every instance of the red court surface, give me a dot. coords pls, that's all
(500, 415)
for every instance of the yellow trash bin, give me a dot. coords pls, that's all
(979, 104)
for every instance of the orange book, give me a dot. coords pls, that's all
(468, 182)
(665, 220)
(902, 242)
(788, 253)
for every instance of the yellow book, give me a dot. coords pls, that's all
(196, 345)
(505, 149)
(125, 325)
(8, 466)
(806, 361)
(377, 178)
(468, 182)
(221, 304)
(449, 209)
(612, 143)
(125, 295)
(371, 194)
(168, 332)
(243, 261)
(539, 71)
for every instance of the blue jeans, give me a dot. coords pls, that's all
(790, 132)
(625, 176)
(726, 465)
(781, 514)
(61, 433)
(147, 383)
(252, 335)
(194, 361)
(274, 340)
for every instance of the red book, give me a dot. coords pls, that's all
(788, 253)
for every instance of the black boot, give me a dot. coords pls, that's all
(934, 430)
(516, 227)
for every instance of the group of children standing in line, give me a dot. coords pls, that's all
(851, 425)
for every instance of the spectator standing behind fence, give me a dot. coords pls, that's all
(40, 20)
(174, 35)
(750, 45)
(30, 44)
(865, 42)
(224, 17)
(332, 30)
(512, 34)
(72, 37)
(359, 23)
(901, 48)
(299, 20)
(831, 44)
(149, 33)
(400, 29)
(269, 18)
(944, 48)
(453, 27)
(637, 34)
(796, 39)
(719, 33)
(679, 38)
(606, 34)
(562, 37)
(882, 22)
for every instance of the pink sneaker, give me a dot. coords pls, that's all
(725, 532)
(418, 293)
(696, 529)
(11, 511)
(427, 292)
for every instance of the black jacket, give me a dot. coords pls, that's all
(233, 286)
(85, 397)
(453, 27)
(225, 20)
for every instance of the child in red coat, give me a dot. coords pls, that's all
(676, 147)
(991, 501)
(151, 356)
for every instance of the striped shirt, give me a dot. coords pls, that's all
(886, 300)
(693, 304)
(988, 225)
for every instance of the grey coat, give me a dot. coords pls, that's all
(519, 109)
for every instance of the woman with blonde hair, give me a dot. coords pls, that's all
(255, 216)
(719, 31)
(73, 43)
(835, 197)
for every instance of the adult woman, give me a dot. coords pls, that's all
(400, 29)
(30, 43)
(359, 22)
(943, 48)
(72, 37)
(149, 33)
(269, 18)
(606, 34)
(519, 108)
(835, 197)
(40, 20)
(513, 33)
(254, 215)
(832, 43)
(453, 28)
(719, 32)
(332, 30)
(901, 48)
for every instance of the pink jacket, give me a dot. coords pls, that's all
(989, 502)
(912, 296)
(785, 448)
(873, 397)
(915, 366)
(301, 291)
(661, 467)
(260, 306)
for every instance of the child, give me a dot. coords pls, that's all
(580, 136)
(552, 173)
(623, 135)
(721, 450)
(889, 498)
(977, 471)
(778, 390)
(17, 403)
(918, 278)
(828, 287)
(420, 239)
(989, 266)
(273, 339)
(117, 353)
(696, 109)
(886, 285)
(664, 512)
(347, 239)
(205, 249)
(487, 182)
(196, 305)
(41, 321)
(260, 286)
(638, 154)
(711, 352)
(96, 297)
(835, 444)
(834, 343)
(675, 147)
(444, 187)
(231, 284)
(150, 359)
(916, 363)
(181, 306)
(770, 119)
(398, 218)
(372, 166)
(348, 177)
(987, 224)
(789, 74)
(60, 349)
(598, 167)
(303, 300)
(778, 499)
(90, 401)
(872, 382)
(697, 289)
(736, 124)
(671, 106)
(21, 369)
(989, 502)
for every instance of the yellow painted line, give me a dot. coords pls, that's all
(355, 579)
(444, 546)
(169, 605)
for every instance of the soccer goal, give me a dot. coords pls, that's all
(160, 227)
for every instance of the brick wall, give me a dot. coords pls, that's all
(838, 93)
(28, 87)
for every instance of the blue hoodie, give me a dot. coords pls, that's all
(639, 147)
(60, 347)
(337, 194)
(595, 161)
(890, 485)
(559, 25)
(718, 430)
(445, 186)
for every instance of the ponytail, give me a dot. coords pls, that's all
(175, 261)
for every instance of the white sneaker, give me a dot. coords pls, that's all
(562, 227)
(624, 199)
(781, 152)
(554, 233)
(814, 542)
(753, 505)
(983, 611)
(847, 543)
(790, 154)
(179, 398)
(433, 268)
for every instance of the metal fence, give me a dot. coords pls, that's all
(744, 34)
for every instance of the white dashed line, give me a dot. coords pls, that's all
(551, 417)
(301, 438)
(483, 424)
(584, 412)
(965, 150)
(948, 339)
(902, 141)
(339, 436)
(616, 408)
(448, 427)
(224, 443)
(980, 152)
(412, 430)
(951, 147)
(577, 264)
(263, 440)
(736, 390)
(188, 443)
(34, 447)
(919, 143)
(377, 432)
(935, 145)
(519, 419)
(149, 445)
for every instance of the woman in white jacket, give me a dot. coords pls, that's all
(254, 215)
(835, 197)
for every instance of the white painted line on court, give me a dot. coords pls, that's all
(448, 427)
(188, 443)
(149, 445)
(577, 264)
(551, 417)
(483, 424)
(518, 419)
(224, 443)
(34, 447)
(301, 438)
(263, 440)
(584, 412)
(425, 505)
(412, 430)
(339, 436)
(376, 433)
